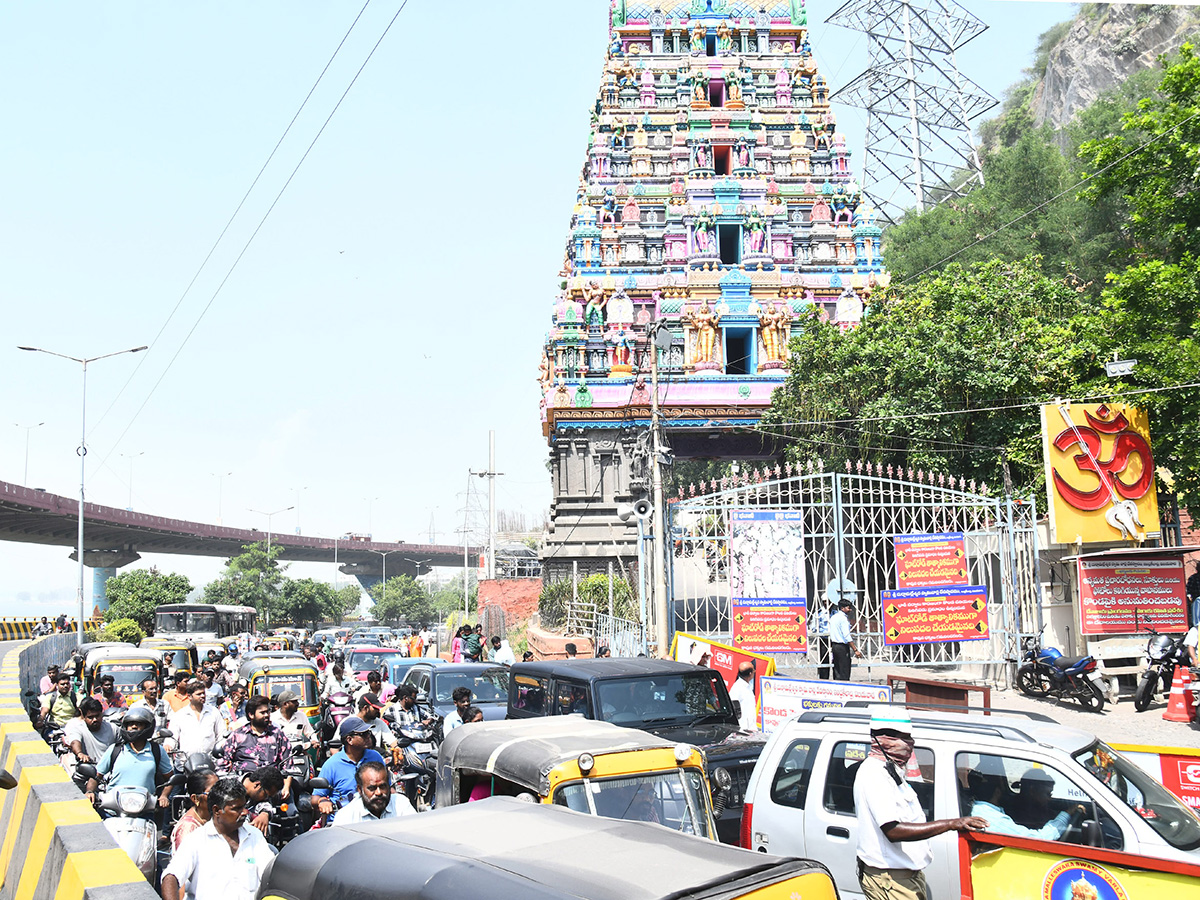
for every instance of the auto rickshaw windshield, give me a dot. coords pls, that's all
(304, 686)
(178, 658)
(1159, 808)
(674, 798)
(127, 677)
(638, 701)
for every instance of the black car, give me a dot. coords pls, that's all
(435, 686)
(669, 699)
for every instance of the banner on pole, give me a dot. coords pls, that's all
(768, 602)
(783, 698)
(935, 615)
(930, 559)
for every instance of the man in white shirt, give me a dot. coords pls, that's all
(1190, 640)
(369, 706)
(293, 722)
(336, 681)
(196, 725)
(742, 693)
(841, 640)
(375, 799)
(223, 860)
(893, 836)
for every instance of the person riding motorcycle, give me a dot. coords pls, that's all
(89, 736)
(59, 706)
(135, 760)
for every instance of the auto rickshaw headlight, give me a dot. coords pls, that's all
(722, 780)
(586, 762)
(683, 752)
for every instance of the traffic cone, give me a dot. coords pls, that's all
(1180, 707)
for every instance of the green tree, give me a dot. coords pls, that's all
(303, 601)
(344, 601)
(127, 630)
(1153, 166)
(448, 597)
(252, 578)
(891, 390)
(135, 595)
(400, 599)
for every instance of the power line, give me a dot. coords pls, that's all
(241, 203)
(258, 228)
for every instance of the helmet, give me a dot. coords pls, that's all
(138, 723)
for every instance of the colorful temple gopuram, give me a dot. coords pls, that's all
(717, 197)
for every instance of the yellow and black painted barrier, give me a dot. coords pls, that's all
(19, 629)
(52, 843)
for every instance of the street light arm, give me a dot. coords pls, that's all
(118, 353)
(52, 353)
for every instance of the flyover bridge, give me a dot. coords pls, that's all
(117, 537)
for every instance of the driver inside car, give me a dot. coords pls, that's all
(990, 789)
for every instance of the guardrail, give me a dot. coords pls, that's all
(21, 629)
(54, 846)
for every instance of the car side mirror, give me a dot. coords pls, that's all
(422, 697)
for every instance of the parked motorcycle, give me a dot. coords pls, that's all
(1163, 654)
(1047, 671)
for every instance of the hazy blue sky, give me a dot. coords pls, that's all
(388, 314)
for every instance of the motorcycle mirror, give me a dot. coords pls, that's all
(87, 770)
(30, 694)
(179, 779)
(7, 782)
(317, 784)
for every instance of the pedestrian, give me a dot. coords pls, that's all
(199, 783)
(339, 770)
(46, 685)
(375, 798)
(742, 693)
(1190, 642)
(604, 652)
(456, 646)
(462, 702)
(501, 652)
(527, 656)
(223, 860)
(819, 635)
(473, 644)
(841, 640)
(893, 836)
(233, 707)
(336, 682)
(198, 727)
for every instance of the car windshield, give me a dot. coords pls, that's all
(366, 660)
(170, 622)
(663, 698)
(676, 799)
(488, 686)
(1174, 822)
(304, 686)
(127, 677)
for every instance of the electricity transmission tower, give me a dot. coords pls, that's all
(919, 106)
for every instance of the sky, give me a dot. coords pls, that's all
(350, 342)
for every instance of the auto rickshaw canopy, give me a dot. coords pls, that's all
(128, 665)
(503, 847)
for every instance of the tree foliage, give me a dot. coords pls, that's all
(136, 593)
(303, 601)
(400, 599)
(252, 578)
(893, 390)
(448, 598)
(128, 630)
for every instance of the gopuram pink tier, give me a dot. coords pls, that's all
(716, 198)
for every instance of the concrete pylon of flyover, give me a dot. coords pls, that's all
(104, 565)
(717, 200)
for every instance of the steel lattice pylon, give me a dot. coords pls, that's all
(919, 106)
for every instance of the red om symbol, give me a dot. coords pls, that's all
(1126, 444)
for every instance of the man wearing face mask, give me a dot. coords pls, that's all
(893, 836)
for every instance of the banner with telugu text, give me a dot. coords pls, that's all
(931, 615)
(768, 593)
(924, 560)
(1123, 595)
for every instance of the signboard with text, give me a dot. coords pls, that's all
(1121, 595)
(930, 559)
(691, 648)
(768, 603)
(783, 698)
(933, 615)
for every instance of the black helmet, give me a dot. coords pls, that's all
(138, 724)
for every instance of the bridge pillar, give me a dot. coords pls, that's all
(104, 565)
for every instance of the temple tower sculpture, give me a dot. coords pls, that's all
(716, 197)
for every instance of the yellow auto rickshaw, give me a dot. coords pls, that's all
(129, 667)
(592, 767)
(501, 847)
(270, 675)
(177, 657)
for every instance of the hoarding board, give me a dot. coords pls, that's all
(768, 602)
(923, 560)
(783, 698)
(1121, 595)
(932, 615)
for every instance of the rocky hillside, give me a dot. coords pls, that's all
(1104, 45)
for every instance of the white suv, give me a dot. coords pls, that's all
(800, 799)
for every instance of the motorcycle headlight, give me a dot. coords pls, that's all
(130, 802)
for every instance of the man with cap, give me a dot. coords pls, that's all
(340, 769)
(988, 783)
(294, 724)
(893, 836)
(841, 640)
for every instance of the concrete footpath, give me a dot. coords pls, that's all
(54, 846)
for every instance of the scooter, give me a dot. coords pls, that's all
(130, 811)
(338, 707)
(1047, 671)
(419, 780)
(1163, 654)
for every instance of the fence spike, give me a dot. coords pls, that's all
(692, 489)
(778, 471)
(681, 492)
(889, 470)
(983, 488)
(942, 479)
(921, 476)
(820, 465)
(859, 465)
(973, 488)
(787, 467)
(910, 473)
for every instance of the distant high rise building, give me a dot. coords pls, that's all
(716, 198)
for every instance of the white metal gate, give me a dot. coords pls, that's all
(850, 519)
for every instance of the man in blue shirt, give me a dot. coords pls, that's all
(134, 761)
(989, 786)
(841, 640)
(339, 770)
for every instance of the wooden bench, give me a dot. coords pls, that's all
(926, 693)
(1122, 662)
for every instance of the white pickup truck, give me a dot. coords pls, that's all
(800, 799)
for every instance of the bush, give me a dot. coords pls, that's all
(122, 630)
(592, 591)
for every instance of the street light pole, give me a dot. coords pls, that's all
(131, 457)
(220, 476)
(661, 604)
(269, 516)
(383, 583)
(82, 451)
(28, 428)
(297, 507)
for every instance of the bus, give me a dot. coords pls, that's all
(204, 621)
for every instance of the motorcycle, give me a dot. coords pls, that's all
(419, 778)
(130, 811)
(295, 814)
(1163, 654)
(1047, 671)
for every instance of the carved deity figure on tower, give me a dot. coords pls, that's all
(593, 312)
(775, 326)
(700, 87)
(756, 232)
(734, 81)
(742, 153)
(703, 155)
(704, 321)
(724, 38)
(704, 232)
(699, 37)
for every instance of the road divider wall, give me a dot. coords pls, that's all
(52, 843)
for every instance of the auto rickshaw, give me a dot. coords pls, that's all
(270, 674)
(501, 847)
(178, 657)
(129, 666)
(277, 642)
(202, 648)
(592, 767)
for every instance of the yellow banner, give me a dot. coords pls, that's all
(1009, 873)
(1099, 473)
